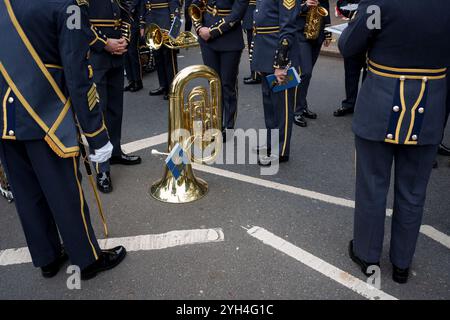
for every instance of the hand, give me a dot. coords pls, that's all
(312, 3)
(327, 42)
(116, 46)
(281, 75)
(142, 33)
(204, 33)
(103, 154)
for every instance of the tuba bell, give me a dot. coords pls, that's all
(314, 21)
(196, 11)
(195, 120)
(155, 37)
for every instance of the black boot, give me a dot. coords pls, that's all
(309, 114)
(361, 263)
(104, 183)
(158, 92)
(136, 86)
(444, 150)
(400, 275)
(107, 260)
(342, 111)
(50, 270)
(130, 85)
(125, 159)
(300, 121)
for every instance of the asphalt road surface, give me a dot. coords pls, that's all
(252, 236)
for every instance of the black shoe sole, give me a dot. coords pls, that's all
(95, 273)
(310, 117)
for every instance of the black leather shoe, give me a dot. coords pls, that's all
(129, 86)
(444, 150)
(104, 183)
(300, 121)
(364, 265)
(107, 260)
(266, 161)
(309, 114)
(343, 111)
(252, 81)
(50, 270)
(400, 275)
(125, 159)
(137, 86)
(158, 92)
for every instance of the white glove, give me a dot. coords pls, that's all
(103, 154)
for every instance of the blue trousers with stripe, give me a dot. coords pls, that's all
(278, 115)
(49, 198)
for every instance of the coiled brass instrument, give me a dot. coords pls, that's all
(314, 21)
(195, 121)
(196, 11)
(155, 37)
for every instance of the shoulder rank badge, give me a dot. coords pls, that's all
(289, 4)
(83, 2)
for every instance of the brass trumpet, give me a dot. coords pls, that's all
(155, 37)
(196, 11)
(195, 119)
(314, 20)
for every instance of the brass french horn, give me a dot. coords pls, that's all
(155, 37)
(197, 113)
(196, 11)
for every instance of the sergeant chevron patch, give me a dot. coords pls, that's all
(289, 4)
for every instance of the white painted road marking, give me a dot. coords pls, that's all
(436, 235)
(319, 265)
(144, 143)
(138, 243)
(162, 138)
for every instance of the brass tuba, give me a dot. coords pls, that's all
(314, 21)
(198, 113)
(155, 37)
(196, 11)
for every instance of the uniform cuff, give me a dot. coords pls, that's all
(97, 139)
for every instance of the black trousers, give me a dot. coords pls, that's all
(110, 89)
(166, 66)
(413, 166)
(187, 17)
(131, 58)
(226, 64)
(309, 53)
(278, 115)
(49, 198)
(352, 67)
